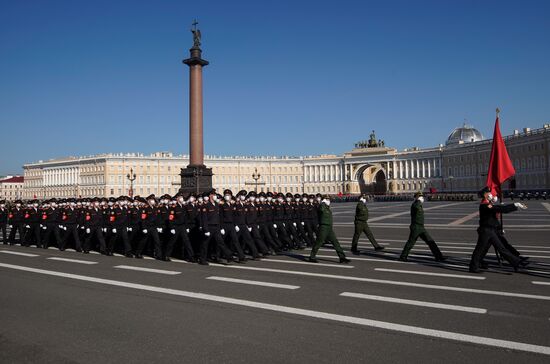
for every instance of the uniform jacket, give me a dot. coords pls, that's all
(361, 212)
(325, 215)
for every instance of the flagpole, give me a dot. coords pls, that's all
(501, 198)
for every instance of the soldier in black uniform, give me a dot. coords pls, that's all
(290, 227)
(487, 235)
(150, 229)
(93, 223)
(211, 227)
(32, 221)
(120, 221)
(15, 222)
(265, 223)
(251, 218)
(279, 221)
(70, 223)
(227, 211)
(3, 221)
(178, 229)
(300, 219)
(239, 217)
(310, 216)
(51, 218)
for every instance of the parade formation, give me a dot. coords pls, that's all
(224, 228)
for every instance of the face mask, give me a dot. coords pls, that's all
(227, 198)
(421, 199)
(111, 204)
(180, 200)
(215, 198)
(242, 198)
(304, 199)
(311, 200)
(297, 199)
(269, 199)
(327, 202)
(192, 199)
(494, 199)
(362, 200)
(201, 199)
(252, 199)
(35, 205)
(152, 202)
(262, 199)
(318, 199)
(280, 200)
(288, 199)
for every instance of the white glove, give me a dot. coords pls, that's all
(28, 226)
(82, 227)
(222, 231)
(11, 226)
(159, 230)
(104, 230)
(114, 231)
(275, 226)
(173, 231)
(87, 230)
(129, 229)
(44, 228)
(60, 226)
(519, 205)
(237, 228)
(65, 228)
(187, 231)
(144, 231)
(249, 228)
(294, 224)
(303, 223)
(207, 234)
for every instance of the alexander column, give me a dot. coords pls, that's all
(195, 177)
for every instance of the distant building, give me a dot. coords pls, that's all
(11, 188)
(460, 164)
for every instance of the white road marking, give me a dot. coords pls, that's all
(384, 217)
(18, 253)
(307, 263)
(415, 302)
(394, 283)
(429, 273)
(354, 258)
(542, 283)
(254, 283)
(72, 260)
(462, 220)
(440, 334)
(150, 270)
(546, 205)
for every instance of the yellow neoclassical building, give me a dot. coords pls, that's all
(459, 164)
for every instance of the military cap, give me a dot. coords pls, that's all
(418, 194)
(112, 199)
(289, 195)
(261, 194)
(317, 195)
(165, 197)
(311, 196)
(151, 197)
(483, 191)
(297, 195)
(242, 192)
(269, 194)
(227, 192)
(205, 194)
(280, 194)
(211, 192)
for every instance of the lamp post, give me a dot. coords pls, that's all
(256, 176)
(131, 177)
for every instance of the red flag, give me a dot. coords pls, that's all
(500, 165)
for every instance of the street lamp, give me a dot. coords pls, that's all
(256, 176)
(131, 177)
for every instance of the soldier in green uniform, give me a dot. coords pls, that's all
(361, 226)
(326, 233)
(417, 230)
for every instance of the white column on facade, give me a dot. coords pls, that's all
(315, 173)
(394, 169)
(411, 170)
(418, 175)
(429, 168)
(423, 169)
(440, 171)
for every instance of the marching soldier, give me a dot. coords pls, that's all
(417, 230)
(70, 223)
(326, 233)
(3, 221)
(361, 226)
(93, 226)
(51, 218)
(32, 221)
(150, 229)
(211, 227)
(120, 220)
(178, 228)
(15, 222)
(227, 211)
(487, 231)
(243, 232)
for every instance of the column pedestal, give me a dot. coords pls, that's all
(196, 179)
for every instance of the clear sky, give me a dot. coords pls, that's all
(285, 77)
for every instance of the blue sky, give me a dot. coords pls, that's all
(286, 77)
